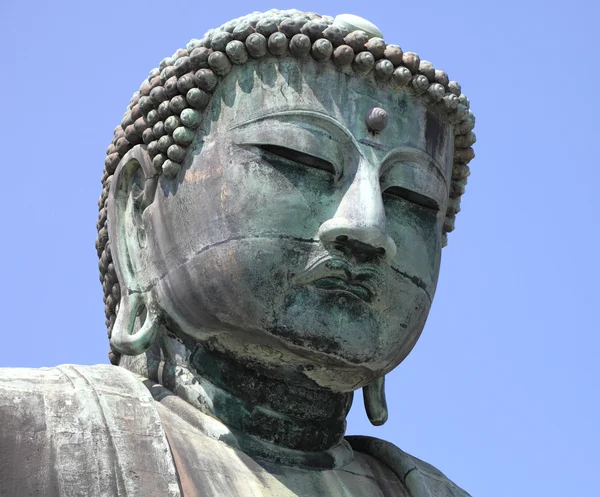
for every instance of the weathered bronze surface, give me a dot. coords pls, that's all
(275, 203)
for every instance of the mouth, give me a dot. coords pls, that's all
(336, 283)
(335, 273)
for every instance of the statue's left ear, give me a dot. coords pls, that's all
(131, 191)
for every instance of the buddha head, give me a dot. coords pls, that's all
(281, 189)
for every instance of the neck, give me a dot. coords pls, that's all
(276, 413)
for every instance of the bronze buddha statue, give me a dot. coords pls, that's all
(274, 206)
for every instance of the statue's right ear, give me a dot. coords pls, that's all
(132, 190)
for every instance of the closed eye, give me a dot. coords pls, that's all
(414, 197)
(298, 157)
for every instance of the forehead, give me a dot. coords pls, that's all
(270, 86)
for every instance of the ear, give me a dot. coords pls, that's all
(131, 191)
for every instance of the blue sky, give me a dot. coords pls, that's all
(501, 392)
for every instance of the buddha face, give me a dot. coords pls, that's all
(296, 237)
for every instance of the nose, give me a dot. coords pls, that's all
(359, 222)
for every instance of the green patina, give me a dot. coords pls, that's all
(274, 208)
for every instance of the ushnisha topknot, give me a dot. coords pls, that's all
(166, 111)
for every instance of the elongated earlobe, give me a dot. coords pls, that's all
(123, 338)
(375, 403)
(132, 190)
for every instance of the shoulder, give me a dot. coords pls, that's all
(66, 379)
(81, 430)
(421, 478)
(78, 395)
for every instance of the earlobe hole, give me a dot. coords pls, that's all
(140, 319)
(141, 234)
(138, 202)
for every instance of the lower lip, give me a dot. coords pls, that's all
(339, 284)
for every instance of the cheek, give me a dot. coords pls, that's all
(248, 196)
(418, 237)
(232, 285)
(222, 199)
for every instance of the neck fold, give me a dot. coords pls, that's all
(280, 418)
(272, 409)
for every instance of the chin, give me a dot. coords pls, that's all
(342, 353)
(337, 325)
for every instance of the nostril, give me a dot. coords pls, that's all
(341, 238)
(380, 251)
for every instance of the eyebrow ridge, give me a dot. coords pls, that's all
(404, 152)
(414, 155)
(302, 113)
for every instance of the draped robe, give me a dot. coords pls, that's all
(97, 431)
